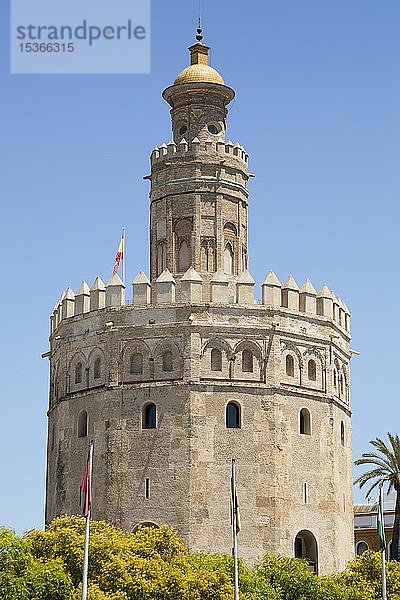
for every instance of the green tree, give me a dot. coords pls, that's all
(292, 580)
(24, 577)
(386, 468)
(362, 577)
(146, 565)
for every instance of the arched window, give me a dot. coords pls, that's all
(232, 415)
(341, 384)
(184, 257)
(228, 259)
(312, 370)
(305, 422)
(361, 547)
(247, 361)
(78, 372)
(289, 365)
(82, 424)
(342, 436)
(207, 255)
(149, 417)
(97, 368)
(216, 360)
(168, 361)
(136, 363)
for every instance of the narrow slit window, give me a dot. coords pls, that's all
(305, 492)
(147, 488)
(342, 433)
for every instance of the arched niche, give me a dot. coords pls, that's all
(228, 259)
(184, 257)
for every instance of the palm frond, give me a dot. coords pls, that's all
(374, 485)
(365, 459)
(385, 450)
(385, 462)
(365, 477)
(395, 443)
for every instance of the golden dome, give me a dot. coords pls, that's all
(199, 73)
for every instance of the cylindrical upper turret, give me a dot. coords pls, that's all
(198, 214)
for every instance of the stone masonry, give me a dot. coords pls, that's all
(194, 372)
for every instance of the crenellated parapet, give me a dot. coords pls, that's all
(196, 147)
(88, 300)
(166, 291)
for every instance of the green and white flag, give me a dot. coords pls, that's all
(381, 524)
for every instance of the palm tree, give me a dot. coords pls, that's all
(386, 463)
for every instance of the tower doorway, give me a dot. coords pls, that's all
(305, 547)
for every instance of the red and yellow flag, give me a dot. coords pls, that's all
(86, 487)
(120, 253)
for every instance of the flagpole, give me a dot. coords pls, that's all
(87, 532)
(383, 545)
(234, 532)
(384, 597)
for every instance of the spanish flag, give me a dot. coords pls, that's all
(86, 485)
(120, 252)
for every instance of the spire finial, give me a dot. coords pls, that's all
(199, 36)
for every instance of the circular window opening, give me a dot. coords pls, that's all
(182, 130)
(213, 129)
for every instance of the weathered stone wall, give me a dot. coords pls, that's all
(187, 457)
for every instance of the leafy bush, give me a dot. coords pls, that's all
(154, 564)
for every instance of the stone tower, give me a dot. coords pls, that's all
(198, 210)
(194, 372)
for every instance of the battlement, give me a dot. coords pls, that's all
(191, 289)
(196, 147)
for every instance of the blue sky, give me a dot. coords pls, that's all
(317, 108)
